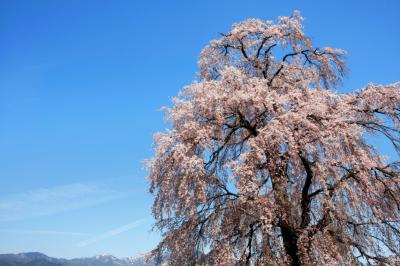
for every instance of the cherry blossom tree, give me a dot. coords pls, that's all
(266, 164)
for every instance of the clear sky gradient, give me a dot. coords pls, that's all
(81, 84)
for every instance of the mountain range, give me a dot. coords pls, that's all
(39, 259)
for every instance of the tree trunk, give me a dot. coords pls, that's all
(290, 244)
(279, 180)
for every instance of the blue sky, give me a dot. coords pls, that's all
(81, 84)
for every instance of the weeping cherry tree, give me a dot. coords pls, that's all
(266, 164)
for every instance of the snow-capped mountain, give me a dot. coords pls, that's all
(39, 259)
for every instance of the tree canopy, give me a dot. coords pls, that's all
(266, 164)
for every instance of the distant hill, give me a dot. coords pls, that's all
(39, 259)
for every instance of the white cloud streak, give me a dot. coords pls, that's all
(111, 233)
(47, 201)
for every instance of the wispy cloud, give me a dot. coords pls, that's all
(43, 232)
(46, 201)
(111, 233)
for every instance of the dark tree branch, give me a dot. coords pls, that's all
(264, 40)
(305, 198)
